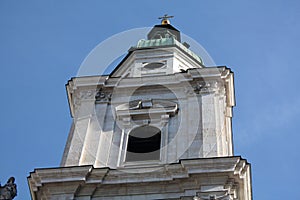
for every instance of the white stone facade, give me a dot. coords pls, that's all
(195, 119)
(158, 127)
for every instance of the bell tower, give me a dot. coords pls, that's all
(157, 127)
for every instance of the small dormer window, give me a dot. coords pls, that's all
(143, 144)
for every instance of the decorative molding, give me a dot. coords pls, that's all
(169, 180)
(89, 95)
(213, 196)
(102, 96)
(147, 107)
(208, 87)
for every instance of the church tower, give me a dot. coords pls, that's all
(157, 127)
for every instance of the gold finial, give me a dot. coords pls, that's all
(165, 19)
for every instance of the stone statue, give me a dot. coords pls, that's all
(9, 190)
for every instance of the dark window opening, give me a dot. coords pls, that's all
(144, 144)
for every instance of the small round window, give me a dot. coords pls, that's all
(154, 65)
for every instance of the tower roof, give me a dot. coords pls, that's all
(164, 31)
(161, 36)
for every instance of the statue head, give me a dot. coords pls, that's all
(11, 180)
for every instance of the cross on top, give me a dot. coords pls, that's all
(165, 19)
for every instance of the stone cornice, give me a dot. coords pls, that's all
(100, 88)
(235, 168)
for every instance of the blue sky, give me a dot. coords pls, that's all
(42, 44)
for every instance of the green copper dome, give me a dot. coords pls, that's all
(164, 42)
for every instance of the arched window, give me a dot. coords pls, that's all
(144, 144)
